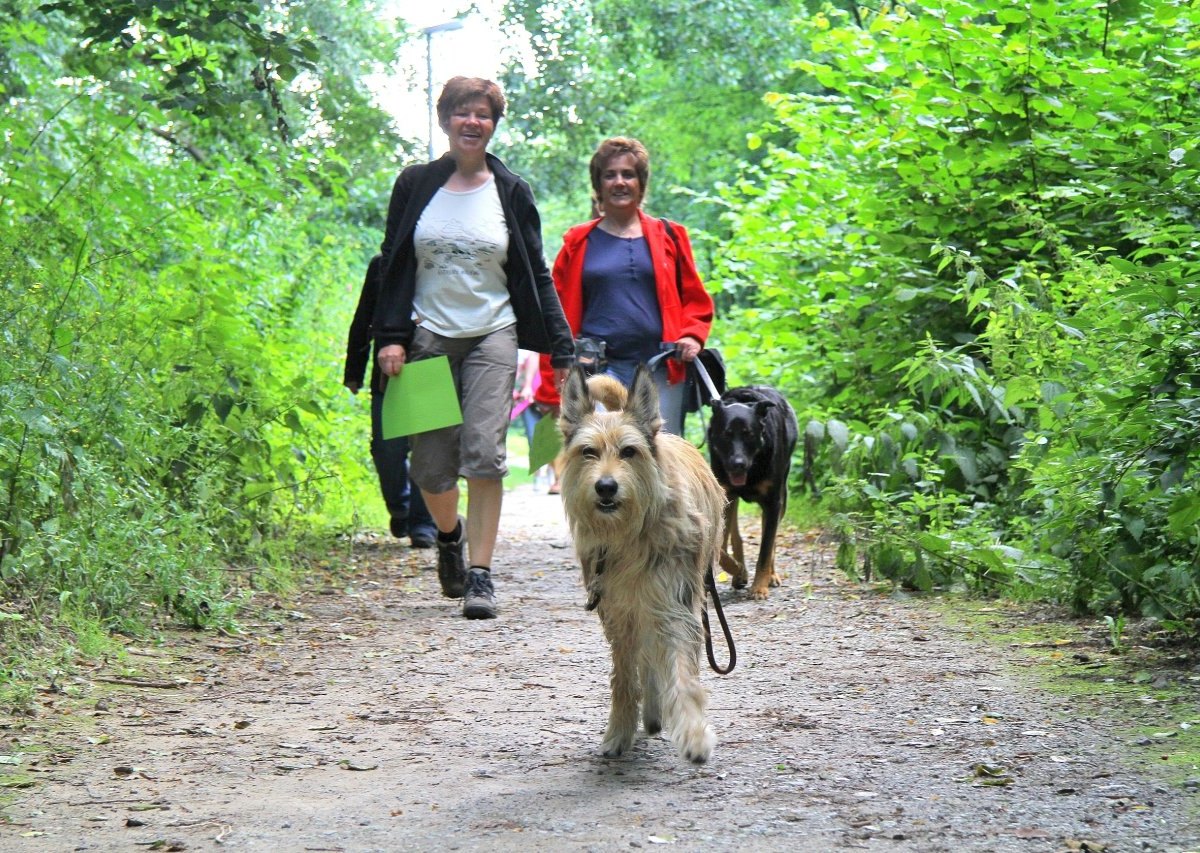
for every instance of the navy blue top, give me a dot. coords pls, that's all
(620, 301)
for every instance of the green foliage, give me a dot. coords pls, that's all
(176, 277)
(972, 245)
(685, 78)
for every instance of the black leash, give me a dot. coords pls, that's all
(709, 581)
(711, 584)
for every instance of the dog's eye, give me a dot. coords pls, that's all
(590, 453)
(628, 452)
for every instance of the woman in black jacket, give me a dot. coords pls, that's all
(465, 277)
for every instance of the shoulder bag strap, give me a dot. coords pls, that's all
(678, 252)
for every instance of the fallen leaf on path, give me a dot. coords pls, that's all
(985, 775)
(988, 770)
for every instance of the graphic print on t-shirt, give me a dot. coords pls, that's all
(462, 246)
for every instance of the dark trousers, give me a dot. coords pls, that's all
(400, 494)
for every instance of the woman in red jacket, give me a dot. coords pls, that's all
(630, 280)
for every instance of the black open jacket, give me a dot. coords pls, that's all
(541, 326)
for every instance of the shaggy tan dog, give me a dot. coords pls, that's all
(645, 512)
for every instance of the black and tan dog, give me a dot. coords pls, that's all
(751, 437)
(645, 513)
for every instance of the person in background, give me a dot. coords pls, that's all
(528, 379)
(409, 517)
(529, 382)
(464, 276)
(625, 279)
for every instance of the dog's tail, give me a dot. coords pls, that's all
(608, 392)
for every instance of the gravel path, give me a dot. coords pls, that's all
(374, 718)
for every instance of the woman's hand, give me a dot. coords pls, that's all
(687, 348)
(391, 359)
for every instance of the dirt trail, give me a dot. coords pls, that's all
(377, 719)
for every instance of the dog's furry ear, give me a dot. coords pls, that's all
(576, 403)
(762, 407)
(643, 402)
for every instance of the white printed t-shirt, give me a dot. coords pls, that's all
(461, 244)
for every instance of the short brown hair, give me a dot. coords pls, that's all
(459, 90)
(615, 146)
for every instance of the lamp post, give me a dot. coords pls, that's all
(429, 31)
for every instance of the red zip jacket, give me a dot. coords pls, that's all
(691, 316)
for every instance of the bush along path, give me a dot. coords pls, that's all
(369, 716)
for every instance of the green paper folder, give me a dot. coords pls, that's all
(546, 443)
(420, 399)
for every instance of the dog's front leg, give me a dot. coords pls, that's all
(764, 570)
(734, 565)
(686, 701)
(623, 714)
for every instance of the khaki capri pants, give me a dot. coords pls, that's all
(484, 370)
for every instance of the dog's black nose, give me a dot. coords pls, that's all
(606, 488)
